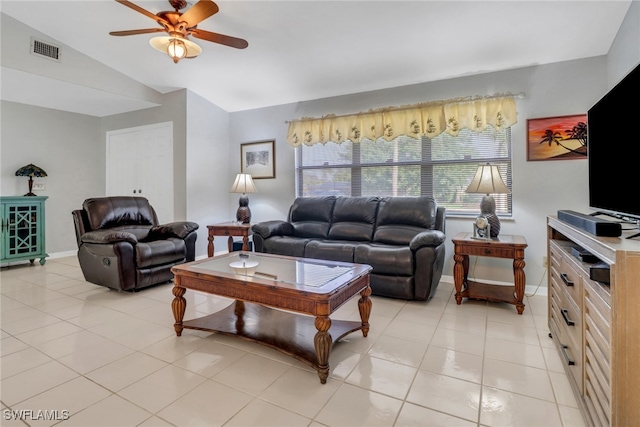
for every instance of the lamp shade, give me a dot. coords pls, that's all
(176, 47)
(243, 184)
(31, 170)
(487, 181)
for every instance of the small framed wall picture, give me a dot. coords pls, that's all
(258, 159)
(557, 138)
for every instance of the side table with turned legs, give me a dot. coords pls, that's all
(230, 229)
(504, 246)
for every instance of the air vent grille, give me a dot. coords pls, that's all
(46, 50)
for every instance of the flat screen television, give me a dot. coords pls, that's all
(613, 150)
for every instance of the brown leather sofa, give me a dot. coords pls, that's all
(402, 238)
(122, 246)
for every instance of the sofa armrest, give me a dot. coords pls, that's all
(431, 238)
(180, 229)
(106, 237)
(273, 228)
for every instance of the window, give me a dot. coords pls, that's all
(441, 167)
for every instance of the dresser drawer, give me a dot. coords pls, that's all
(568, 337)
(571, 280)
(570, 318)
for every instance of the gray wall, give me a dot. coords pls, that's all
(539, 188)
(209, 173)
(71, 148)
(68, 147)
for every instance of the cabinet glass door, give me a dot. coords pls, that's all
(21, 230)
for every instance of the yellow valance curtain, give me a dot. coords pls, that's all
(429, 119)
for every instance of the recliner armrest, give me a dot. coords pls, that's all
(106, 237)
(431, 238)
(273, 228)
(180, 229)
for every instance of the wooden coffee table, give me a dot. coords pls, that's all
(265, 285)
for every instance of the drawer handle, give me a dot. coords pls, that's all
(566, 280)
(566, 355)
(565, 315)
(487, 251)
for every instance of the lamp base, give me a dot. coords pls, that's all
(243, 214)
(30, 193)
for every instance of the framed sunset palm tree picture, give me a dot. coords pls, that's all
(557, 138)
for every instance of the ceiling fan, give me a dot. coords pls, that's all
(179, 26)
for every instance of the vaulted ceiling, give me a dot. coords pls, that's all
(303, 50)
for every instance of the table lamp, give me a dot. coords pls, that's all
(487, 180)
(31, 170)
(243, 184)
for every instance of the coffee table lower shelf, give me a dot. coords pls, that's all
(290, 333)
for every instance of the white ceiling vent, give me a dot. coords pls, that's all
(45, 50)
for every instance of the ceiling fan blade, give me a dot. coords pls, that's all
(142, 11)
(134, 32)
(199, 12)
(220, 38)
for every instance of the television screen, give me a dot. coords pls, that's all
(613, 144)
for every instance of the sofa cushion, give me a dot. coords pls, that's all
(311, 216)
(330, 250)
(386, 259)
(285, 245)
(353, 218)
(401, 218)
(108, 212)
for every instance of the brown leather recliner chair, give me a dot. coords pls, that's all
(122, 246)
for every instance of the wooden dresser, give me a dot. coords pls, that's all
(596, 326)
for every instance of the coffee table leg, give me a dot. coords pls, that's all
(178, 305)
(322, 342)
(364, 305)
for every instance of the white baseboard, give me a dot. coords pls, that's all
(62, 254)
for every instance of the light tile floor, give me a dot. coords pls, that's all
(94, 357)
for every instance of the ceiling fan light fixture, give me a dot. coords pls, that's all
(176, 47)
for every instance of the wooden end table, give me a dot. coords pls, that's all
(231, 228)
(505, 246)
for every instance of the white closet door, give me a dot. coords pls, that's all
(140, 163)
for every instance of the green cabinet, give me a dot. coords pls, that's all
(22, 229)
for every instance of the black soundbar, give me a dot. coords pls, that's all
(590, 224)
